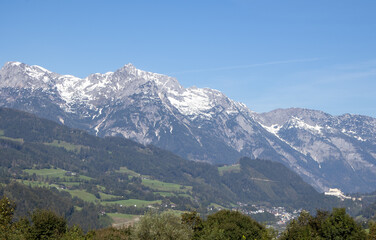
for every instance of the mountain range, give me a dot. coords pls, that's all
(199, 124)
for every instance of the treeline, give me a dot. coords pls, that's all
(225, 224)
(74, 210)
(326, 225)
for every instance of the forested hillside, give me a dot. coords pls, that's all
(122, 176)
(224, 224)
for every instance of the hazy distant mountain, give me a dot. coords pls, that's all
(199, 124)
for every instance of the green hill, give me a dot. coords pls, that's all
(126, 177)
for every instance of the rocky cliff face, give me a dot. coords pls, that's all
(199, 124)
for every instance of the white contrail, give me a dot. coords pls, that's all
(247, 66)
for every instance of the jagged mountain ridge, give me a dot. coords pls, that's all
(199, 124)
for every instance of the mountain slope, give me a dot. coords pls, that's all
(198, 124)
(27, 141)
(343, 147)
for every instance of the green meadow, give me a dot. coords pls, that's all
(165, 187)
(56, 173)
(229, 168)
(67, 146)
(134, 202)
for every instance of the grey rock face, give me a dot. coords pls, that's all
(199, 124)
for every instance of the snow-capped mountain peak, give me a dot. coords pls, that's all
(134, 75)
(20, 75)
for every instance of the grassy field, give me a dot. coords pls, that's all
(55, 173)
(37, 184)
(185, 195)
(19, 140)
(105, 196)
(51, 172)
(121, 220)
(165, 187)
(230, 168)
(66, 145)
(82, 194)
(69, 184)
(122, 215)
(133, 202)
(165, 194)
(128, 171)
(162, 188)
(159, 186)
(217, 206)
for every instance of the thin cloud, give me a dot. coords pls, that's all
(248, 66)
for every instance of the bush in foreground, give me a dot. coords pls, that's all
(325, 225)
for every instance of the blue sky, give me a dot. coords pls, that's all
(266, 54)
